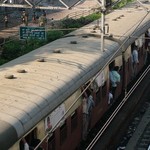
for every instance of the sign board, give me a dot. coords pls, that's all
(53, 119)
(32, 32)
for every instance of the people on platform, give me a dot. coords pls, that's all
(34, 17)
(42, 20)
(6, 21)
(44, 13)
(24, 18)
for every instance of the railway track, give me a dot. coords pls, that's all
(109, 135)
(144, 141)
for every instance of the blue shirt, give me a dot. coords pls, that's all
(114, 78)
(134, 56)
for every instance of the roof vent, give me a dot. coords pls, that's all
(85, 36)
(10, 76)
(41, 60)
(93, 31)
(121, 15)
(57, 51)
(115, 19)
(96, 27)
(73, 42)
(21, 71)
(137, 6)
(111, 35)
(118, 17)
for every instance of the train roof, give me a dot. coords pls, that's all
(123, 22)
(47, 76)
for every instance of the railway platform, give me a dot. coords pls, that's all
(55, 14)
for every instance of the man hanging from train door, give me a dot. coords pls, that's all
(88, 104)
(85, 118)
(114, 79)
(147, 47)
(134, 60)
(148, 54)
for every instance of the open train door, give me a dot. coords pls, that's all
(69, 4)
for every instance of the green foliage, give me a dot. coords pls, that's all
(35, 43)
(70, 23)
(16, 48)
(93, 17)
(3, 61)
(53, 35)
(11, 50)
(122, 3)
(77, 23)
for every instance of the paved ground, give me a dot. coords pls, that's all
(55, 14)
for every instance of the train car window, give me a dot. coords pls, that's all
(98, 96)
(132, 46)
(104, 90)
(74, 120)
(111, 65)
(30, 139)
(129, 65)
(21, 145)
(147, 38)
(140, 53)
(51, 142)
(63, 132)
(31, 136)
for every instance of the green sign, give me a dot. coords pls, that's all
(32, 32)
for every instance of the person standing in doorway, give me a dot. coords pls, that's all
(134, 60)
(114, 79)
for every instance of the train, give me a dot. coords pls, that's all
(51, 97)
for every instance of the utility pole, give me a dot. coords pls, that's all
(103, 9)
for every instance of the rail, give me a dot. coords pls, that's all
(110, 119)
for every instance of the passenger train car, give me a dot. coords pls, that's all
(55, 94)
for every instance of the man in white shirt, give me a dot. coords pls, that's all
(26, 146)
(110, 98)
